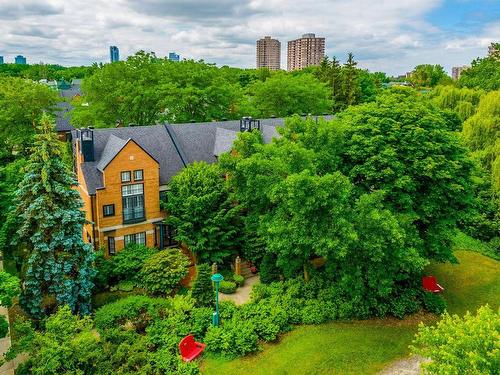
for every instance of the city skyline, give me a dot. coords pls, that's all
(393, 36)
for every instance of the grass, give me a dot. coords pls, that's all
(475, 281)
(366, 347)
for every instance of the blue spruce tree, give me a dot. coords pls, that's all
(59, 264)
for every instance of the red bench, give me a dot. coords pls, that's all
(430, 284)
(190, 349)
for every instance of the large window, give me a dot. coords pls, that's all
(138, 238)
(133, 203)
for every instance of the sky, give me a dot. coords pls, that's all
(392, 36)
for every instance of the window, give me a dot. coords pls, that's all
(138, 238)
(133, 203)
(126, 176)
(138, 175)
(108, 210)
(111, 246)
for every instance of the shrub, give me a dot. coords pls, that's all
(434, 303)
(4, 327)
(127, 264)
(270, 318)
(227, 287)
(268, 270)
(315, 312)
(104, 268)
(163, 271)
(239, 280)
(9, 288)
(461, 345)
(203, 290)
(200, 321)
(124, 286)
(233, 338)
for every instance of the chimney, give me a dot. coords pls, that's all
(87, 142)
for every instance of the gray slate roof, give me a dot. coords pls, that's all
(196, 142)
(62, 117)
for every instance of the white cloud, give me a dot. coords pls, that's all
(389, 35)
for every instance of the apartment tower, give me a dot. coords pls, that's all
(305, 51)
(268, 53)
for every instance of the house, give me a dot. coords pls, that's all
(123, 174)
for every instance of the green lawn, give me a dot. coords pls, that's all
(366, 347)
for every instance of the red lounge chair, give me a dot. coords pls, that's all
(190, 349)
(430, 284)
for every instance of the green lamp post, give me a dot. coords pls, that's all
(217, 278)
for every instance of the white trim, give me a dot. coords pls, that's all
(164, 188)
(121, 226)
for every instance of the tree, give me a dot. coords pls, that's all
(59, 263)
(284, 95)
(202, 213)
(427, 75)
(67, 345)
(203, 290)
(163, 271)
(461, 345)
(128, 262)
(22, 102)
(350, 76)
(9, 288)
(483, 74)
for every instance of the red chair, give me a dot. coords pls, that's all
(430, 284)
(190, 349)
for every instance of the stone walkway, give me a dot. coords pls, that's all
(405, 366)
(242, 294)
(7, 368)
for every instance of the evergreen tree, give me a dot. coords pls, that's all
(59, 263)
(350, 79)
(203, 290)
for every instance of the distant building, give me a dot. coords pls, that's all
(114, 54)
(456, 71)
(494, 50)
(172, 56)
(268, 53)
(305, 51)
(19, 59)
(1, 59)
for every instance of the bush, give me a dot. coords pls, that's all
(233, 338)
(203, 290)
(4, 327)
(239, 280)
(268, 270)
(163, 271)
(127, 264)
(227, 287)
(269, 318)
(124, 286)
(315, 312)
(461, 345)
(434, 303)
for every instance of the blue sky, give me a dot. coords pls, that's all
(384, 35)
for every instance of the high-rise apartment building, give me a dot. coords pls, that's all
(306, 51)
(457, 70)
(172, 56)
(268, 53)
(114, 54)
(1, 59)
(19, 59)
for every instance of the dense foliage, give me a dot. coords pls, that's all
(457, 345)
(483, 74)
(204, 216)
(203, 290)
(162, 272)
(59, 264)
(428, 75)
(127, 264)
(9, 288)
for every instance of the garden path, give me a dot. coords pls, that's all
(405, 366)
(242, 294)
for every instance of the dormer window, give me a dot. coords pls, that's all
(126, 177)
(138, 175)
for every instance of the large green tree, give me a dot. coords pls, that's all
(22, 102)
(427, 75)
(59, 263)
(483, 74)
(202, 213)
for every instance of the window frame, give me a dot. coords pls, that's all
(132, 238)
(125, 173)
(104, 206)
(111, 241)
(127, 204)
(142, 175)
